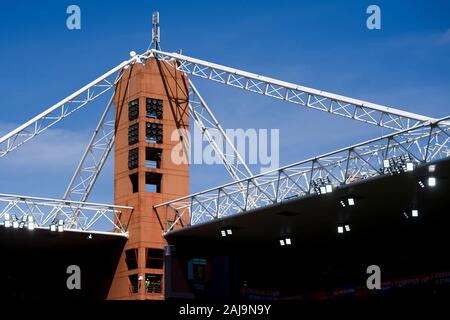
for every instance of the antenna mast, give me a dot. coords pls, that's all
(156, 37)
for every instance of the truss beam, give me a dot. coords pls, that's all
(355, 109)
(210, 127)
(422, 144)
(94, 157)
(44, 212)
(62, 109)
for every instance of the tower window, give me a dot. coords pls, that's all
(155, 258)
(153, 283)
(154, 132)
(153, 182)
(154, 108)
(134, 283)
(133, 158)
(133, 134)
(133, 110)
(134, 179)
(131, 258)
(153, 158)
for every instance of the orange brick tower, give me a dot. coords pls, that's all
(151, 103)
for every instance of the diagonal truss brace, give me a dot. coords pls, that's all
(94, 157)
(210, 127)
(355, 109)
(62, 109)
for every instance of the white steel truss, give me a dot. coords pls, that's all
(94, 157)
(44, 212)
(209, 125)
(422, 144)
(62, 109)
(359, 110)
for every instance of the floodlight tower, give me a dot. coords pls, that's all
(151, 108)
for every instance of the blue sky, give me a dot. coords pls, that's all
(321, 44)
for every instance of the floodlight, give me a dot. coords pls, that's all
(347, 228)
(53, 227)
(31, 225)
(329, 188)
(409, 166)
(15, 224)
(351, 201)
(415, 213)
(288, 241)
(282, 242)
(431, 181)
(229, 232)
(340, 229)
(386, 163)
(343, 203)
(224, 234)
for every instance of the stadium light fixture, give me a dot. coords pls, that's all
(30, 224)
(431, 181)
(415, 213)
(409, 166)
(226, 232)
(351, 201)
(285, 242)
(60, 225)
(344, 228)
(7, 220)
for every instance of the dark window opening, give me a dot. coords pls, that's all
(134, 283)
(131, 258)
(154, 108)
(153, 283)
(154, 132)
(133, 158)
(153, 158)
(153, 182)
(155, 258)
(134, 178)
(133, 110)
(133, 134)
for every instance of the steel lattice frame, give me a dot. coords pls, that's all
(62, 109)
(209, 125)
(94, 157)
(247, 193)
(45, 211)
(359, 110)
(424, 143)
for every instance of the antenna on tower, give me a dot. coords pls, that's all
(156, 37)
